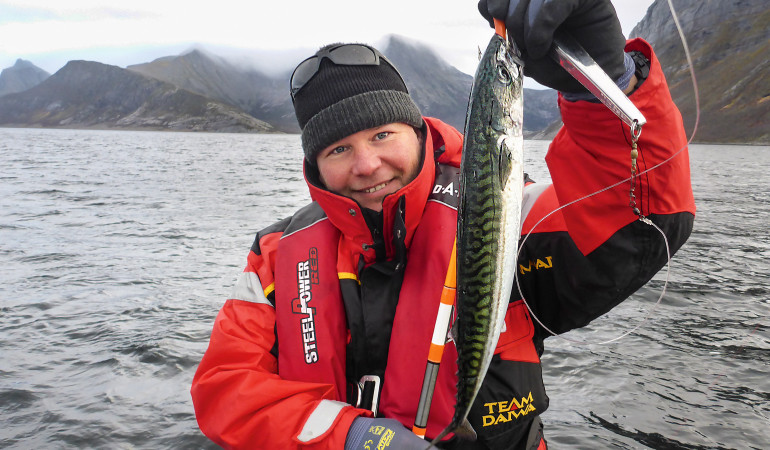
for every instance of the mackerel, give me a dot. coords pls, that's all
(488, 228)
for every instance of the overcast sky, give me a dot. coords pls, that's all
(51, 32)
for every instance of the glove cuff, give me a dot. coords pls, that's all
(356, 431)
(621, 82)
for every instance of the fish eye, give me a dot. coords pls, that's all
(503, 75)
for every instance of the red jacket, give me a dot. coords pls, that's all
(288, 344)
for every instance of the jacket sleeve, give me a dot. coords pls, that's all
(583, 259)
(240, 400)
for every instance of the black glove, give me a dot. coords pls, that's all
(370, 434)
(532, 23)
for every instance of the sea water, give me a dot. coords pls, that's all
(117, 249)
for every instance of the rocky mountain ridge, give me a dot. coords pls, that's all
(438, 88)
(86, 94)
(730, 44)
(21, 76)
(730, 47)
(260, 96)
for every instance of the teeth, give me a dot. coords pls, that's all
(375, 189)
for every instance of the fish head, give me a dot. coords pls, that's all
(507, 113)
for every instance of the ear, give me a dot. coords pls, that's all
(313, 174)
(418, 132)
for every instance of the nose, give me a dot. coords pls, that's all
(367, 160)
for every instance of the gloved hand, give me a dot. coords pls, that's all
(370, 434)
(532, 23)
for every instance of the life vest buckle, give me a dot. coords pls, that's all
(369, 393)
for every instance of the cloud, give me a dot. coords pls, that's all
(38, 29)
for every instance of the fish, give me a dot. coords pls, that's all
(489, 214)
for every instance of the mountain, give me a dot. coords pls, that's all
(730, 45)
(254, 99)
(439, 89)
(87, 94)
(201, 91)
(540, 110)
(265, 98)
(20, 77)
(442, 91)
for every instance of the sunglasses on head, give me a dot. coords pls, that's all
(345, 55)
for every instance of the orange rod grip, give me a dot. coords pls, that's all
(435, 353)
(500, 28)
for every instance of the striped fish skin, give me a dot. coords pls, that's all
(491, 186)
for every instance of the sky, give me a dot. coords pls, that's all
(51, 32)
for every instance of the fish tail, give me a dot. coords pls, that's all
(464, 431)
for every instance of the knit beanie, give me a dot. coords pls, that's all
(340, 100)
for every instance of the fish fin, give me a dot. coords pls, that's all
(452, 335)
(505, 161)
(466, 431)
(463, 431)
(441, 435)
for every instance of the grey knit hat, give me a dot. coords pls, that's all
(340, 100)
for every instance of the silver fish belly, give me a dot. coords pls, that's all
(491, 185)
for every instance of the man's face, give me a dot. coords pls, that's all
(368, 165)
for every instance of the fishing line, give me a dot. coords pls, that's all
(642, 218)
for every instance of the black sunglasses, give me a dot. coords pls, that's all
(346, 55)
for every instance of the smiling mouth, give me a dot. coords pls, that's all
(375, 188)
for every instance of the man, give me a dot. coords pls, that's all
(336, 305)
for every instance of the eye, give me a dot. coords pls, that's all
(329, 152)
(503, 75)
(381, 135)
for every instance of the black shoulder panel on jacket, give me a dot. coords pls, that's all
(277, 227)
(306, 216)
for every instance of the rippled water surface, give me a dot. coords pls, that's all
(117, 249)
